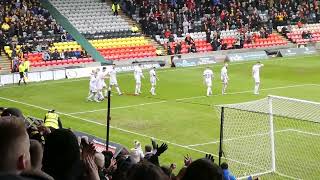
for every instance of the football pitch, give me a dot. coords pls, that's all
(180, 115)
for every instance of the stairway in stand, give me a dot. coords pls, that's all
(5, 64)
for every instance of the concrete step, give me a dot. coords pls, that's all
(5, 64)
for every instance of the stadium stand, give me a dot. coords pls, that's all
(29, 31)
(59, 154)
(301, 35)
(224, 24)
(110, 34)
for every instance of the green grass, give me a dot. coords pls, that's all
(165, 116)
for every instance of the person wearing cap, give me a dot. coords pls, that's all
(52, 120)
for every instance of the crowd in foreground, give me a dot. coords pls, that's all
(44, 150)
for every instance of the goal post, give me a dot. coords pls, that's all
(276, 136)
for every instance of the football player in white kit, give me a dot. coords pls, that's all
(207, 77)
(153, 80)
(104, 85)
(137, 76)
(113, 79)
(256, 76)
(224, 78)
(100, 82)
(93, 87)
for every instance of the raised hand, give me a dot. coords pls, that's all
(161, 149)
(187, 160)
(210, 157)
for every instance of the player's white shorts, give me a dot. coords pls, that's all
(104, 84)
(138, 80)
(100, 85)
(208, 82)
(224, 80)
(113, 82)
(256, 79)
(93, 89)
(153, 82)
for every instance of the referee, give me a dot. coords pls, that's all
(22, 73)
(26, 64)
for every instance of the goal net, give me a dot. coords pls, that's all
(274, 137)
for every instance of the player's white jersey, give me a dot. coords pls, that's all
(93, 83)
(208, 76)
(138, 74)
(153, 76)
(113, 77)
(224, 74)
(100, 80)
(256, 72)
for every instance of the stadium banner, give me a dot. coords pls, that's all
(46, 75)
(33, 77)
(85, 72)
(247, 56)
(59, 74)
(128, 68)
(189, 62)
(16, 78)
(79, 72)
(100, 144)
(6, 79)
(297, 51)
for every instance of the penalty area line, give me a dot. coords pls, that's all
(120, 107)
(248, 91)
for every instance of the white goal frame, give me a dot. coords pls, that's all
(270, 111)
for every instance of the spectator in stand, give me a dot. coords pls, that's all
(204, 169)
(14, 145)
(136, 152)
(2, 41)
(177, 49)
(99, 159)
(167, 33)
(55, 55)
(215, 44)
(36, 154)
(69, 37)
(64, 37)
(169, 48)
(63, 55)
(185, 25)
(148, 152)
(227, 175)
(61, 157)
(77, 54)
(115, 8)
(67, 54)
(146, 171)
(46, 56)
(71, 53)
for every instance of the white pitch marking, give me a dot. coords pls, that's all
(120, 107)
(248, 91)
